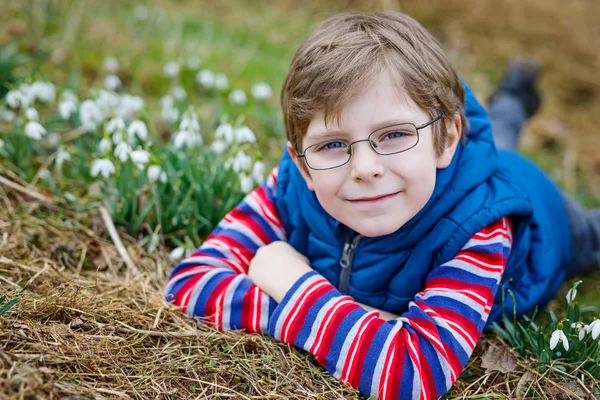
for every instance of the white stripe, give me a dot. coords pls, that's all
(198, 289)
(286, 310)
(444, 323)
(233, 286)
(318, 324)
(358, 341)
(496, 231)
(299, 303)
(463, 291)
(264, 313)
(381, 360)
(470, 268)
(478, 308)
(478, 262)
(237, 225)
(341, 361)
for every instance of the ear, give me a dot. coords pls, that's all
(454, 129)
(301, 165)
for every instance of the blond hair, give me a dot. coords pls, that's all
(346, 52)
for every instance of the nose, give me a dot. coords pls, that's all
(365, 162)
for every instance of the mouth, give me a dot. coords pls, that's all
(373, 199)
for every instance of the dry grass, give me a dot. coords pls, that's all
(86, 328)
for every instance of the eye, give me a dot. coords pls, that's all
(333, 145)
(397, 134)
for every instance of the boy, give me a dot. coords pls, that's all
(380, 241)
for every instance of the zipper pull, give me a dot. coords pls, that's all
(345, 260)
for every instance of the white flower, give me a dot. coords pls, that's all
(155, 173)
(581, 329)
(32, 114)
(241, 162)
(112, 82)
(190, 125)
(104, 146)
(122, 151)
(140, 157)
(206, 78)
(171, 69)
(221, 82)
(141, 12)
(27, 95)
(90, 115)
(594, 327)
(66, 108)
(225, 132)
(187, 138)
(258, 171)
(129, 105)
(111, 64)
(179, 93)
(193, 62)
(115, 125)
(244, 134)
(176, 253)
(61, 156)
(108, 102)
(167, 101)
(14, 98)
(34, 130)
(44, 91)
(246, 183)
(218, 146)
(53, 139)
(8, 115)
(238, 97)
(262, 91)
(170, 114)
(559, 336)
(102, 166)
(571, 294)
(137, 128)
(1, 144)
(68, 95)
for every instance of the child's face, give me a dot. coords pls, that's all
(374, 194)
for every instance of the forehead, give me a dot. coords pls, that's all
(379, 104)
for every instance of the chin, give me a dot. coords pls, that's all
(375, 230)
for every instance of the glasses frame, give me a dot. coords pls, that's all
(371, 143)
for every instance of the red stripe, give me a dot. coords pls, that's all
(302, 308)
(328, 332)
(210, 308)
(460, 287)
(241, 217)
(188, 285)
(450, 315)
(267, 206)
(355, 370)
(394, 378)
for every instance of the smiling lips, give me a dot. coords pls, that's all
(373, 199)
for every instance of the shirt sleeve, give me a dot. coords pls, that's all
(416, 356)
(213, 283)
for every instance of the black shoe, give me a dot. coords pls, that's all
(520, 81)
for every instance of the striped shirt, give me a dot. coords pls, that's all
(416, 356)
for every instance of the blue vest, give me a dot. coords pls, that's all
(480, 186)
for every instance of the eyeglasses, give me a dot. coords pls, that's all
(385, 141)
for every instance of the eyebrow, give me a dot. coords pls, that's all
(322, 136)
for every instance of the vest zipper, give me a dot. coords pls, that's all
(346, 261)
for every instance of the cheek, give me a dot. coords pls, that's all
(326, 185)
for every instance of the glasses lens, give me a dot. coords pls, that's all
(395, 139)
(327, 155)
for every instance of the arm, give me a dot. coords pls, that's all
(213, 284)
(419, 355)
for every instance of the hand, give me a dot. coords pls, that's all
(276, 267)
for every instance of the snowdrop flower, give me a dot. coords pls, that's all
(66, 108)
(190, 125)
(167, 101)
(53, 139)
(137, 128)
(102, 166)
(594, 328)
(225, 132)
(171, 69)
(61, 156)
(176, 254)
(122, 151)
(8, 115)
(258, 171)
(187, 138)
(559, 336)
(262, 91)
(68, 95)
(238, 97)
(170, 114)
(1, 144)
(155, 173)
(111, 64)
(108, 101)
(246, 183)
(571, 294)
(27, 95)
(90, 115)
(32, 114)
(179, 93)
(244, 134)
(129, 106)
(241, 162)
(206, 78)
(112, 82)
(218, 146)
(194, 62)
(581, 329)
(34, 130)
(221, 82)
(14, 98)
(115, 125)
(141, 12)
(140, 157)
(44, 91)
(104, 146)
